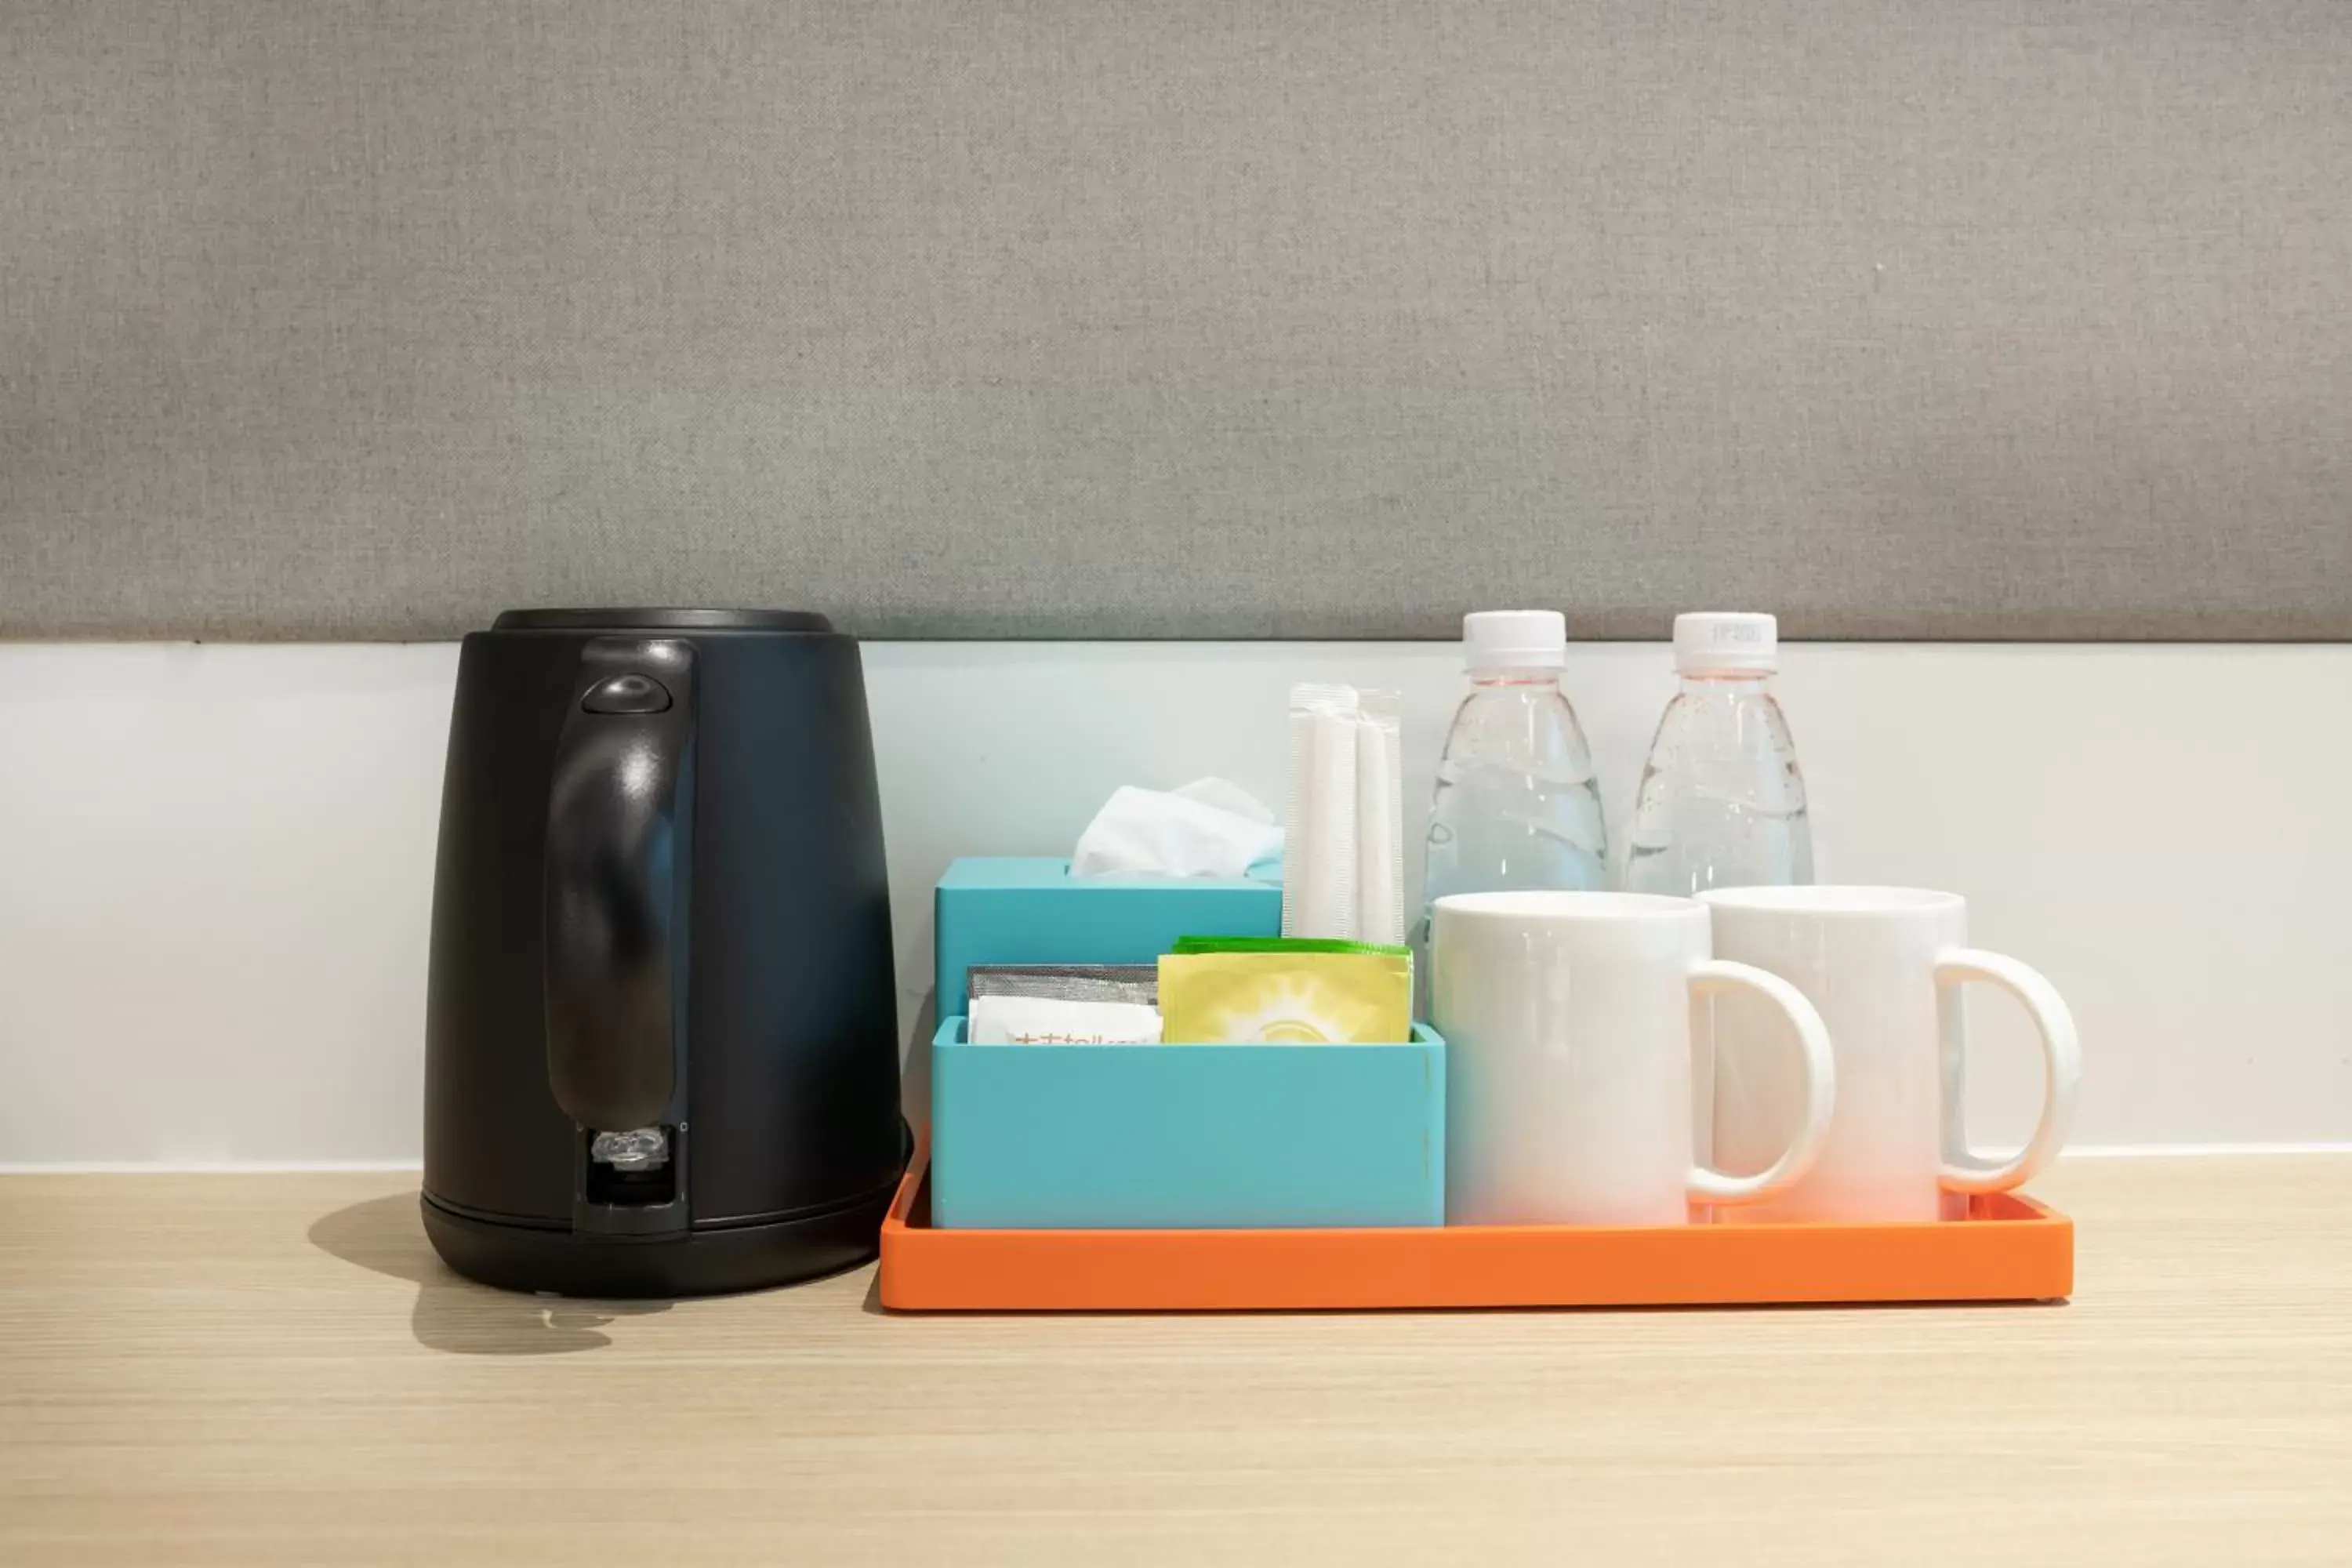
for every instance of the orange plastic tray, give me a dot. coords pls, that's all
(2010, 1249)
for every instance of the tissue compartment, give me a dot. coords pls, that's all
(1031, 910)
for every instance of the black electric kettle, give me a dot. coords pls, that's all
(660, 1051)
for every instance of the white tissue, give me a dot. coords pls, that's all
(1208, 829)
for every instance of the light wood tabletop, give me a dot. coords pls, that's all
(275, 1369)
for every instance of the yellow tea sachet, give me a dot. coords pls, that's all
(1286, 998)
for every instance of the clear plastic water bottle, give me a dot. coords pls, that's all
(1517, 805)
(1722, 804)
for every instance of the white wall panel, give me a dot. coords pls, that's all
(215, 861)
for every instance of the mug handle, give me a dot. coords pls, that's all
(2062, 1057)
(1707, 1185)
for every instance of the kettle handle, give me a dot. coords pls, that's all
(617, 882)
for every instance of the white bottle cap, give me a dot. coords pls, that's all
(1515, 639)
(1719, 642)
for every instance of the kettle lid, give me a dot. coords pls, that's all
(651, 620)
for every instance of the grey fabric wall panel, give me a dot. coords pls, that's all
(1906, 318)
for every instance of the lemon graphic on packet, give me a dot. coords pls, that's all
(1286, 998)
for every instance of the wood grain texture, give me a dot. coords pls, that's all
(267, 1370)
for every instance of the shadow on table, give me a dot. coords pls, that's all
(452, 1313)
(455, 1314)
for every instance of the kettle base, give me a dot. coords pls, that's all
(701, 1263)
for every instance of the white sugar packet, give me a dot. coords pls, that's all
(1051, 1021)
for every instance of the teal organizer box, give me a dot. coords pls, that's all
(1186, 1137)
(1027, 910)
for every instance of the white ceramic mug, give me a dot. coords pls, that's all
(1884, 965)
(1567, 1019)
